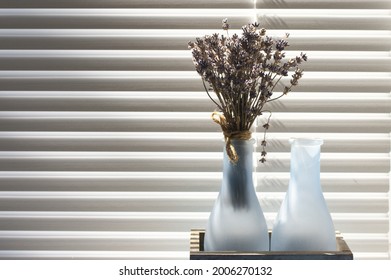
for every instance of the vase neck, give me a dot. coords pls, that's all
(244, 150)
(237, 183)
(305, 163)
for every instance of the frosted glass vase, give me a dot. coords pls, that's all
(236, 222)
(304, 222)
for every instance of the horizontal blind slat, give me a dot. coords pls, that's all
(176, 181)
(179, 142)
(174, 61)
(365, 102)
(127, 4)
(260, 4)
(162, 221)
(173, 40)
(124, 241)
(96, 255)
(180, 161)
(87, 241)
(193, 18)
(169, 202)
(187, 122)
(177, 81)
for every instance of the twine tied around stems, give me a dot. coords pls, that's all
(219, 118)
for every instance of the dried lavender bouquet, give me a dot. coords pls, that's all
(243, 72)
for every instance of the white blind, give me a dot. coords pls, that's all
(107, 149)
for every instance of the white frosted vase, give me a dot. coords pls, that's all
(304, 222)
(236, 222)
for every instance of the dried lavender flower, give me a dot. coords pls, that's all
(243, 72)
(225, 24)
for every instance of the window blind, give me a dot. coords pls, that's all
(107, 149)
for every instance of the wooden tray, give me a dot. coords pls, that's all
(197, 251)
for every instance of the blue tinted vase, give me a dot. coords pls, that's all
(236, 222)
(304, 222)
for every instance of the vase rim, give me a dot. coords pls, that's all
(306, 141)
